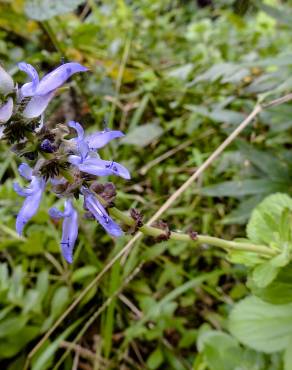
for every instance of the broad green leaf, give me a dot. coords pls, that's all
(221, 351)
(263, 226)
(279, 291)
(41, 10)
(261, 325)
(264, 274)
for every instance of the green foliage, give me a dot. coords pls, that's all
(177, 79)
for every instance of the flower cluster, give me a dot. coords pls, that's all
(70, 166)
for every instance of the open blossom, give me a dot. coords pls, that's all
(42, 91)
(88, 161)
(33, 194)
(70, 228)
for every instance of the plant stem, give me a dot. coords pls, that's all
(199, 239)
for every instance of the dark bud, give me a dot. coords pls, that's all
(31, 156)
(160, 224)
(106, 191)
(47, 146)
(193, 234)
(137, 217)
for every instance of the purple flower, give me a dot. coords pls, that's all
(42, 91)
(33, 194)
(70, 228)
(6, 110)
(88, 161)
(92, 204)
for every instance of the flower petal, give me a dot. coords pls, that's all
(37, 105)
(70, 232)
(31, 204)
(23, 192)
(57, 77)
(70, 228)
(74, 159)
(6, 82)
(100, 214)
(99, 167)
(98, 140)
(81, 144)
(55, 213)
(6, 110)
(29, 88)
(25, 171)
(78, 128)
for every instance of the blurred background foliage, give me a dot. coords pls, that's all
(176, 76)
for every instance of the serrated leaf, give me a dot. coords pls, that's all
(41, 10)
(261, 325)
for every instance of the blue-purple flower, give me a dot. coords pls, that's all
(70, 228)
(88, 161)
(33, 194)
(92, 204)
(42, 91)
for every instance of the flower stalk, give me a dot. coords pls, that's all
(227, 245)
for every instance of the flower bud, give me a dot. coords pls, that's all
(6, 82)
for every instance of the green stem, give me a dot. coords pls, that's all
(199, 239)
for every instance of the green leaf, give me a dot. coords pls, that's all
(241, 188)
(12, 325)
(83, 272)
(10, 346)
(155, 359)
(279, 291)
(41, 10)
(288, 356)
(264, 274)
(261, 325)
(263, 226)
(221, 351)
(143, 135)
